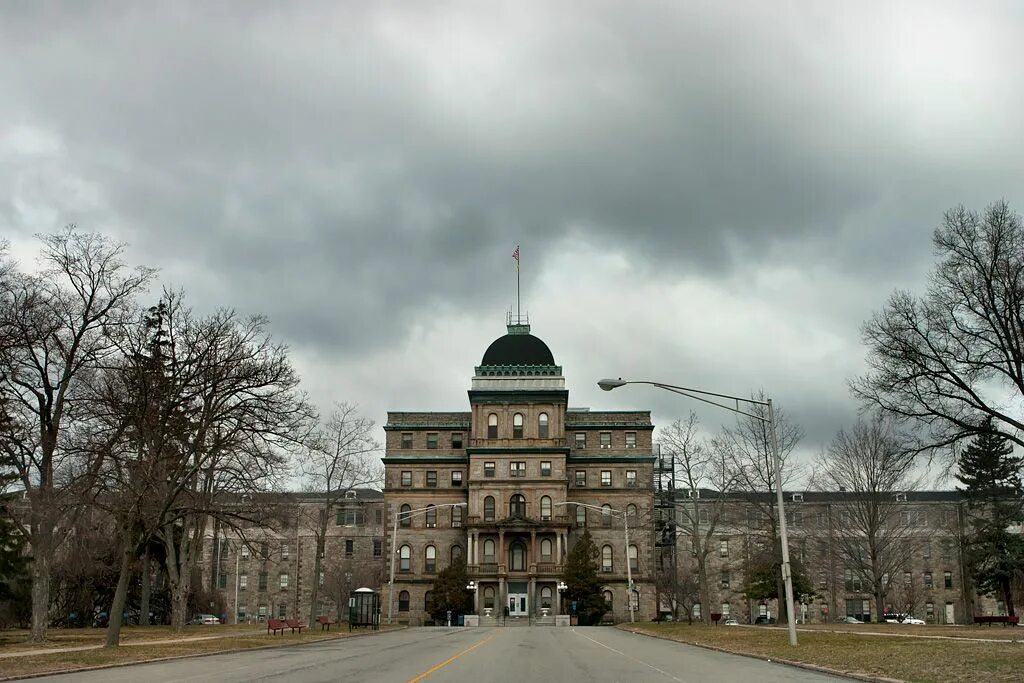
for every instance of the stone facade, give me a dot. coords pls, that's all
(506, 486)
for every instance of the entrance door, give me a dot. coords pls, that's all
(950, 615)
(517, 605)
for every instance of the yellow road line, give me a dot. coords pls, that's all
(449, 660)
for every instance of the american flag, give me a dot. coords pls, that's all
(515, 255)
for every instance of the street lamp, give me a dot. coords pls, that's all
(471, 586)
(629, 567)
(562, 587)
(699, 395)
(394, 547)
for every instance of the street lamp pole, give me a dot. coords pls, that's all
(700, 395)
(629, 567)
(394, 548)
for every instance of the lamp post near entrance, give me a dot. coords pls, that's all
(629, 566)
(394, 547)
(699, 395)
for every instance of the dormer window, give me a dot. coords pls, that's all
(517, 426)
(798, 497)
(901, 498)
(492, 426)
(542, 426)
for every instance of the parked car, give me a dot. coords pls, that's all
(731, 622)
(764, 620)
(850, 620)
(204, 620)
(913, 621)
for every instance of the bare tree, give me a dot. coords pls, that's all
(699, 466)
(342, 575)
(339, 459)
(60, 326)
(748, 453)
(680, 587)
(875, 535)
(907, 594)
(951, 360)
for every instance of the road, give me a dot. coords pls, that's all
(491, 655)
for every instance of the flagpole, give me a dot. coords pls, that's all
(519, 312)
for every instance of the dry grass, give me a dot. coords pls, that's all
(988, 632)
(195, 641)
(910, 659)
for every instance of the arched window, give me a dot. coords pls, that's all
(634, 558)
(631, 514)
(431, 515)
(606, 558)
(404, 558)
(517, 557)
(403, 601)
(545, 550)
(545, 597)
(456, 517)
(403, 516)
(608, 599)
(542, 426)
(492, 426)
(581, 516)
(545, 507)
(606, 515)
(489, 509)
(489, 597)
(428, 601)
(517, 505)
(430, 559)
(517, 426)
(488, 551)
(456, 554)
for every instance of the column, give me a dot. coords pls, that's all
(558, 548)
(533, 548)
(502, 602)
(500, 553)
(531, 597)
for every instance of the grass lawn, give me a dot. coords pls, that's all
(195, 640)
(910, 659)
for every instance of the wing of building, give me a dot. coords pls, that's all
(508, 486)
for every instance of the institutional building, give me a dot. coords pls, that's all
(510, 484)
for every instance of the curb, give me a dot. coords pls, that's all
(115, 665)
(787, 662)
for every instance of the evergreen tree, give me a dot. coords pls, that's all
(582, 584)
(764, 573)
(449, 593)
(15, 582)
(992, 485)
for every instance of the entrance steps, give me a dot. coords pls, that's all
(516, 621)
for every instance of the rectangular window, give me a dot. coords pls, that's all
(631, 478)
(432, 479)
(545, 468)
(581, 478)
(456, 439)
(284, 551)
(947, 579)
(406, 439)
(929, 612)
(724, 578)
(406, 477)
(456, 478)
(243, 581)
(606, 439)
(222, 581)
(432, 440)
(726, 609)
(378, 516)
(377, 547)
(350, 517)
(926, 550)
(262, 610)
(456, 517)
(284, 581)
(581, 439)
(489, 469)
(517, 469)
(265, 551)
(696, 611)
(630, 439)
(349, 547)
(606, 477)
(581, 516)
(723, 548)
(245, 552)
(928, 580)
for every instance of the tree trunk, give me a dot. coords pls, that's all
(314, 591)
(880, 607)
(780, 594)
(120, 597)
(40, 589)
(1008, 596)
(144, 598)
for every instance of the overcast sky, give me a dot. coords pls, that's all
(714, 194)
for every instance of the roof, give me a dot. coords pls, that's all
(518, 349)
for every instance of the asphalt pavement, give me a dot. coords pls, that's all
(486, 655)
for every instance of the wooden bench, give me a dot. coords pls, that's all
(275, 625)
(1004, 620)
(294, 624)
(324, 623)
